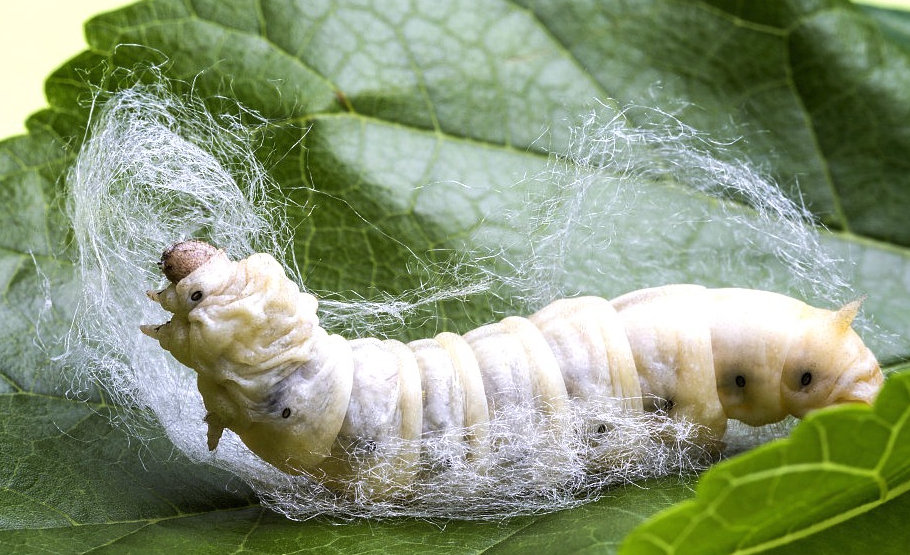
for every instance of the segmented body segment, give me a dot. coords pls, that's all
(307, 401)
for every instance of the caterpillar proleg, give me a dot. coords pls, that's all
(310, 402)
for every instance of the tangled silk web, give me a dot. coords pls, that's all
(156, 168)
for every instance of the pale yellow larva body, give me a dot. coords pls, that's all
(310, 402)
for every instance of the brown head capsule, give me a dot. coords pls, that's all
(181, 259)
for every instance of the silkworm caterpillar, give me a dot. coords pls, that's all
(307, 401)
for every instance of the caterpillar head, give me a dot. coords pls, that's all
(232, 321)
(254, 340)
(829, 365)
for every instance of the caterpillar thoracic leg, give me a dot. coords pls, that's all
(310, 402)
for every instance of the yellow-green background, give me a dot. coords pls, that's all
(37, 36)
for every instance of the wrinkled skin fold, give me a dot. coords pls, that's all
(307, 401)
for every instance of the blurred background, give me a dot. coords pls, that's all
(38, 36)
